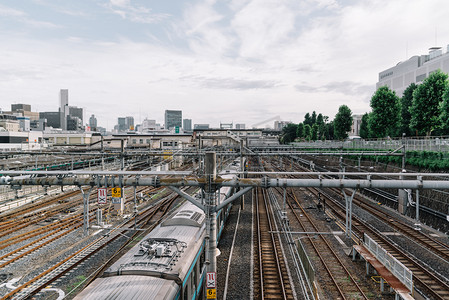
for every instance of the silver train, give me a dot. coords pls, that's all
(169, 262)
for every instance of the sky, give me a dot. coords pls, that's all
(240, 61)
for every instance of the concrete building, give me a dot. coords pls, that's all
(173, 118)
(149, 126)
(130, 123)
(226, 125)
(53, 118)
(124, 124)
(24, 123)
(75, 118)
(187, 125)
(23, 110)
(239, 126)
(93, 123)
(31, 140)
(278, 125)
(200, 126)
(355, 127)
(9, 123)
(24, 107)
(414, 70)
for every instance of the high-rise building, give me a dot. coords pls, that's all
(53, 118)
(173, 118)
(121, 124)
(414, 70)
(187, 124)
(63, 107)
(130, 123)
(240, 126)
(93, 123)
(124, 124)
(24, 107)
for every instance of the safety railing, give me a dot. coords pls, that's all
(400, 271)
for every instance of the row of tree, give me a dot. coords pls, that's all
(423, 110)
(317, 127)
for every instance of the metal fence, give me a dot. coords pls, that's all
(400, 271)
(440, 144)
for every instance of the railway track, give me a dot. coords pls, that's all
(41, 281)
(338, 281)
(271, 278)
(425, 279)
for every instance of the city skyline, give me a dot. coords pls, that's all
(227, 61)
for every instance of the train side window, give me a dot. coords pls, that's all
(186, 291)
(194, 279)
(202, 258)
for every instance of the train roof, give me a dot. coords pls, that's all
(165, 251)
(128, 288)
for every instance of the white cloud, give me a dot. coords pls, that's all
(135, 13)
(23, 17)
(10, 12)
(241, 61)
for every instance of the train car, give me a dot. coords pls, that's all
(169, 263)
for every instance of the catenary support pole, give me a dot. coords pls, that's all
(86, 195)
(348, 201)
(211, 202)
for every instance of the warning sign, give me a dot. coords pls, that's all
(211, 294)
(210, 280)
(102, 195)
(116, 192)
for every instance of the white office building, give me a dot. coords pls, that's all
(414, 70)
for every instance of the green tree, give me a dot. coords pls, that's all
(444, 113)
(364, 129)
(425, 113)
(288, 134)
(329, 130)
(384, 118)
(307, 131)
(406, 102)
(342, 122)
(315, 132)
(320, 120)
(300, 130)
(307, 119)
(313, 118)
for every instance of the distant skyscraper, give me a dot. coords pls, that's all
(121, 124)
(173, 118)
(53, 118)
(130, 123)
(63, 107)
(24, 107)
(187, 124)
(239, 126)
(93, 122)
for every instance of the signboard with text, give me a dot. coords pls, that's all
(116, 192)
(102, 195)
(211, 280)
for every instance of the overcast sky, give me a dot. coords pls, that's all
(241, 61)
